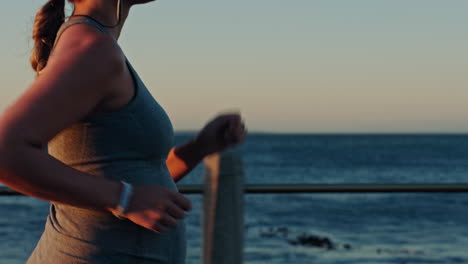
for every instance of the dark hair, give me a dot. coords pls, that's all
(46, 24)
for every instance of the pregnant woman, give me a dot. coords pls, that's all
(111, 165)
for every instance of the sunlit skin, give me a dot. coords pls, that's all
(86, 74)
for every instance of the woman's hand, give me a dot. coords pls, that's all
(220, 133)
(156, 208)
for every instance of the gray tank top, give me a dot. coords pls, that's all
(129, 144)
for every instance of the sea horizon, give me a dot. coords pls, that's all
(348, 133)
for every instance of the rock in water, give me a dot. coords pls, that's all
(313, 241)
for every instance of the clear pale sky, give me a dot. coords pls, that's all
(290, 65)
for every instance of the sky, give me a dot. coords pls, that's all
(296, 66)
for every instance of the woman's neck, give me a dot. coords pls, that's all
(105, 13)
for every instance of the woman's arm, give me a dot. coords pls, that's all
(222, 132)
(183, 159)
(31, 171)
(70, 88)
(74, 82)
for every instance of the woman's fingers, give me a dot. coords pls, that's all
(175, 211)
(167, 220)
(240, 132)
(162, 217)
(159, 228)
(152, 224)
(181, 201)
(235, 132)
(157, 208)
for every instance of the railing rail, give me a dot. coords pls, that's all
(339, 188)
(320, 188)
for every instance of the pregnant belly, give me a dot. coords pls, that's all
(97, 232)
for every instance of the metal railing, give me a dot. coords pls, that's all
(338, 188)
(320, 188)
(223, 191)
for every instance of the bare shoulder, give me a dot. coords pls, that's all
(78, 76)
(86, 51)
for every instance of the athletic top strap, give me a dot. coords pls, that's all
(78, 20)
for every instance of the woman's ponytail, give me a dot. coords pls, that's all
(48, 21)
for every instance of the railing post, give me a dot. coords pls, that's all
(223, 223)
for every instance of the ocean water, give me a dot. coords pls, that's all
(361, 228)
